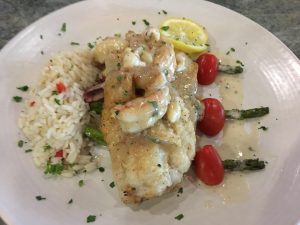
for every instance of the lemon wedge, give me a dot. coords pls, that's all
(185, 35)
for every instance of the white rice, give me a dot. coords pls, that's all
(60, 126)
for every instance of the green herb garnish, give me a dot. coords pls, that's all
(95, 135)
(74, 43)
(28, 150)
(91, 218)
(23, 88)
(54, 93)
(57, 101)
(39, 198)
(41, 37)
(81, 183)
(180, 190)
(17, 98)
(165, 12)
(179, 217)
(70, 201)
(112, 184)
(101, 169)
(263, 128)
(47, 147)
(90, 45)
(133, 22)
(54, 169)
(96, 107)
(63, 27)
(146, 22)
(165, 28)
(20, 143)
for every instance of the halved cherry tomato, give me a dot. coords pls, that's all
(59, 154)
(214, 117)
(208, 165)
(60, 87)
(207, 68)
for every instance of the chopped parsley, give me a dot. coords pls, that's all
(119, 78)
(70, 201)
(96, 107)
(54, 93)
(133, 22)
(239, 62)
(230, 50)
(180, 190)
(146, 22)
(23, 88)
(112, 184)
(119, 65)
(54, 169)
(17, 98)
(101, 169)
(81, 183)
(90, 45)
(57, 101)
(91, 218)
(47, 147)
(74, 43)
(117, 35)
(155, 106)
(166, 72)
(20, 143)
(42, 52)
(179, 217)
(165, 12)
(263, 128)
(63, 27)
(165, 28)
(158, 165)
(39, 198)
(28, 150)
(125, 93)
(41, 37)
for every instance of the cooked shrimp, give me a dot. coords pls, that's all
(142, 112)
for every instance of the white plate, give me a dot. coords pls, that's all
(272, 78)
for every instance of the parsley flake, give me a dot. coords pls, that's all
(179, 217)
(20, 143)
(165, 28)
(17, 98)
(91, 218)
(180, 190)
(74, 43)
(90, 45)
(54, 169)
(57, 101)
(133, 23)
(70, 201)
(47, 147)
(81, 183)
(41, 37)
(23, 88)
(39, 198)
(146, 22)
(112, 184)
(165, 12)
(263, 128)
(63, 27)
(28, 150)
(101, 169)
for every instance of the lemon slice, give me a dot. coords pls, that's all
(185, 35)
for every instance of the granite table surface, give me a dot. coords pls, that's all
(280, 17)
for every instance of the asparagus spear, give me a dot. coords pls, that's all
(230, 69)
(240, 114)
(95, 135)
(241, 165)
(96, 107)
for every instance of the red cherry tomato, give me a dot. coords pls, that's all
(59, 154)
(208, 165)
(60, 87)
(213, 119)
(207, 68)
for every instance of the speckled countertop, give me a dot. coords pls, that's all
(280, 17)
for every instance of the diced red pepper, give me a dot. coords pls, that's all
(59, 153)
(60, 87)
(31, 104)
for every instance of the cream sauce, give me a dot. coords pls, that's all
(239, 141)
